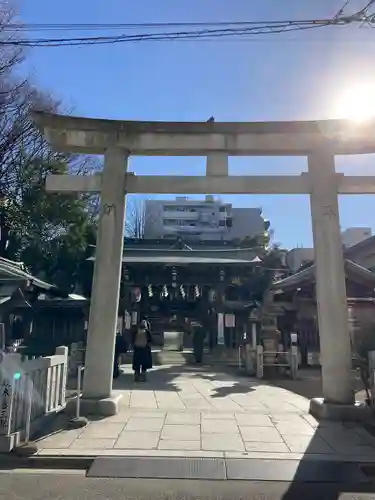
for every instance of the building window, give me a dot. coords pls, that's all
(221, 222)
(222, 209)
(229, 223)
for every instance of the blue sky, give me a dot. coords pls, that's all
(276, 77)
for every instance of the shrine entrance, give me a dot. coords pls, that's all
(184, 289)
(319, 141)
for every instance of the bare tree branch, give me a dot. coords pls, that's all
(136, 217)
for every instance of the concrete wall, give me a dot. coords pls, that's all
(245, 222)
(354, 235)
(299, 256)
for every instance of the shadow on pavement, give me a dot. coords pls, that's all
(157, 380)
(236, 388)
(338, 475)
(309, 384)
(164, 379)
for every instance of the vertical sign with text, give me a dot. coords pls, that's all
(5, 406)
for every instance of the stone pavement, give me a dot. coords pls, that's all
(187, 411)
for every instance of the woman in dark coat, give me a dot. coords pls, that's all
(142, 356)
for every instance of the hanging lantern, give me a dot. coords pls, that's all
(174, 277)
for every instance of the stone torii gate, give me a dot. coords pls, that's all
(319, 141)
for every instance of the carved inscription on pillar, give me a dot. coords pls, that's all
(330, 212)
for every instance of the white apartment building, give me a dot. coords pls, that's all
(208, 219)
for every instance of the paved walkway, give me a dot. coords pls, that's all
(184, 411)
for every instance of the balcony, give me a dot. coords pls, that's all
(199, 228)
(180, 215)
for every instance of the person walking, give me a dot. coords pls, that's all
(142, 356)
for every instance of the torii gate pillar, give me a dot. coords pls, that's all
(97, 384)
(335, 348)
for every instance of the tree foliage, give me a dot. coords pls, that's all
(49, 232)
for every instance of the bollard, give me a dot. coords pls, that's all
(294, 362)
(77, 422)
(294, 355)
(239, 357)
(29, 403)
(79, 383)
(259, 361)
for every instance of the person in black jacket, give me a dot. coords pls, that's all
(121, 347)
(142, 356)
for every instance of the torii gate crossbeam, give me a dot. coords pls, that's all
(319, 141)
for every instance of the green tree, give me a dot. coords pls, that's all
(48, 232)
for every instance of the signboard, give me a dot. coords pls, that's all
(5, 406)
(134, 317)
(230, 320)
(128, 321)
(2, 337)
(220, 329)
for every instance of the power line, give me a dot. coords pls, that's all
(181, 35)
(206, 31)
(162, 36)
(106, 26)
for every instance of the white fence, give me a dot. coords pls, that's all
(47, 379)
(281, 359)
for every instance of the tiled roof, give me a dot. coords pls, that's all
(308, 275)
(17, 271)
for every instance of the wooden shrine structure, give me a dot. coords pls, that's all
(176, 284)
(294, 299)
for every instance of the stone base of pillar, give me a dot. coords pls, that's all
(357, 412)
(105, 407)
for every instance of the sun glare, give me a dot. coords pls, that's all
(357, 103)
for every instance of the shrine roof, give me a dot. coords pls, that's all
(11, 271)
(364, 244)
(185, 259)
(353, 271)
(167, 253)
(15, 270)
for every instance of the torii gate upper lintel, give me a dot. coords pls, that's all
(319, 141)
